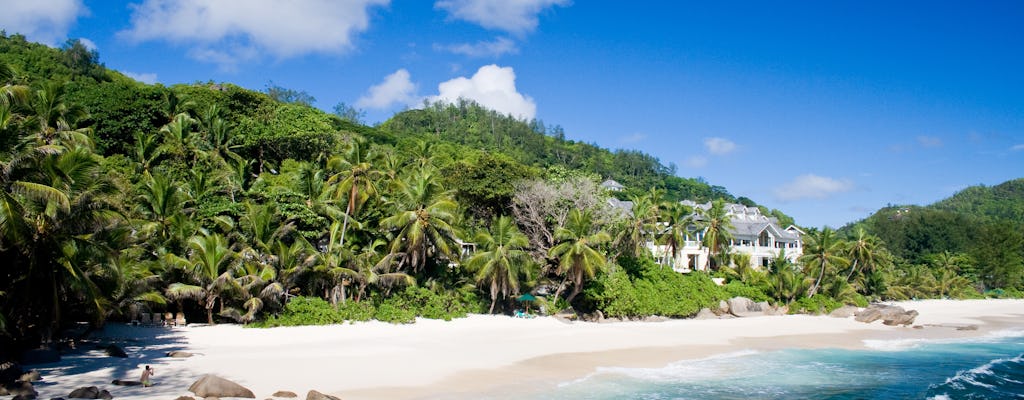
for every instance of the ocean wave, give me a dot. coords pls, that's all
(993, 379)
(687, 369)
(906, 344)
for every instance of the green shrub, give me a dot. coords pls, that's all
(860, 301)
(393, 310)
(817, 304)
(740, 289)
(356, 311)
(303, 311)
(1004, 293)
(659, 291)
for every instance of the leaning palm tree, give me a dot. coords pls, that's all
(863, 252)
(577, 251)
(356, 179)
(421, 226)
(503, 259)
(823, 252)
(717, 226)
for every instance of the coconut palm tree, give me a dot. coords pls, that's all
(823, 252)
(577, 251)
(502, 261)
(678, 219)
(717, 226)
(210, 266)
(355, 179)
(863, 252)
(640, 225)
(421, 226)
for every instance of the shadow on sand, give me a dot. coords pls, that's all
(89, 365)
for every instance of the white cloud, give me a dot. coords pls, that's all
(513, 16)
(41, 21)
(696, 162)
(493, 87)
(929, 141)
(149, 78)
(230, 31)
(719, 146)
(494, 48)
(811, 186)
(633, 138)
(89, 44)
(396, 88)
(1017, 147)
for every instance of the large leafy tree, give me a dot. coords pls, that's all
(578, 251)
(502, 261)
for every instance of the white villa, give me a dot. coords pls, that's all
(753, 233)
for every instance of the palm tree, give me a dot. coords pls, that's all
(641, 224)
(356, 178)
(823, 251)
(785, 281)
(576, 250)
(863, 251)
(678, 219)
(503, 259)
(717, 226)
(210, 265)
(160, 200)
(422, 224)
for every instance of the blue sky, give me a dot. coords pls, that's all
(825, 110)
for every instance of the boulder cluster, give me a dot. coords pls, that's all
(741, 307)
(890, 315)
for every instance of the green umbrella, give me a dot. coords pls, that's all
(526, 297)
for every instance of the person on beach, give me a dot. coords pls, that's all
(146, 375)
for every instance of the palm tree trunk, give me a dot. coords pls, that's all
(814, 289)
(852, 267)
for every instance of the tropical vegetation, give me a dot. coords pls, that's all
(231, 205)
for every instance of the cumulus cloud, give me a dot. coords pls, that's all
(89, 44)
(41, 21)
(396, 88)
(696, 162)
(230, 31)
(1017, 147)
(493, 87)
(811, 186)
(149, 78)
(494, 48)
(719, 146)
(633, 138)
(929, 141)
(513, 16)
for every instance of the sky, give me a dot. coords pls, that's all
(827, 111)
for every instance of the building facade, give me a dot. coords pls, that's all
(753, 234)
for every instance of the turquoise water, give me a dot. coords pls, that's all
(982, 368)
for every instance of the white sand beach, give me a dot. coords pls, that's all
(481, 353)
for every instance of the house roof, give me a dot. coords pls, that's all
(612, 184)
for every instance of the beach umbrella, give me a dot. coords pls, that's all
(527, 298)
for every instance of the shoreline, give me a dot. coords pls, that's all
(481, 354)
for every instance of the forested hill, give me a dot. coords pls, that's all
(986, 223)
(117, 108)
(534, 144)
(1003, 202)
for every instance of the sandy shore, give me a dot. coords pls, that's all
(479, 354)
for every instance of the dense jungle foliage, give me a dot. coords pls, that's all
(227, 204)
